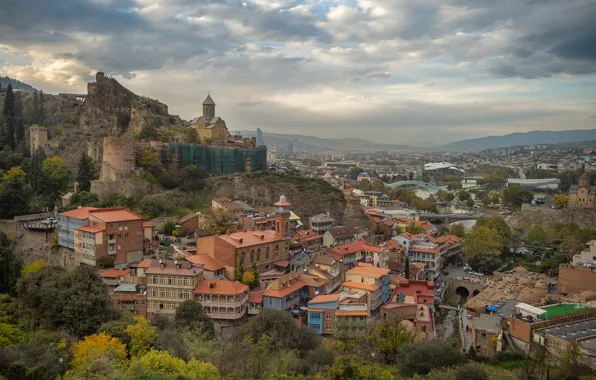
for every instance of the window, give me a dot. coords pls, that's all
(259, 254)
(328, 315)
(126, 235)
(276, 251)
(328, 327)
(267, 253)
(242, 259)
(252, 256)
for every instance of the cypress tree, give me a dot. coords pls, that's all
(35, 115)
(9, 105)
(20, 131)
(86, 173)
(42, 116)
(9, 123)
(407, 269)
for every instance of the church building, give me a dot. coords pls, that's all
(583, 194)
(210, 127)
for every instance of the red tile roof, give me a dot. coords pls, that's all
(325, 298)
(356, 285)
(80, 213)
(145, 264)
(308, 235)
(285, 285)
(220, 287)
(90, 229)
(208, 262)
(115, 215)
(250, 238)
(112, 273)
(169, 267)
(368, 271)
(357, 246)
(255, 297)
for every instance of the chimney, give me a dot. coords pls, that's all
(162, 264)
(76, 187)
(177, 264)
(212, 285)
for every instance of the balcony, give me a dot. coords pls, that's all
(127, 306)
(232, 315)
(226, 303)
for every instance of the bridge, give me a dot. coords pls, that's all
(449, 218)
(433, 189)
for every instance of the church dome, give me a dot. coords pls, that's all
(208, 101)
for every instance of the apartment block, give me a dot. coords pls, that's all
(169, 283)
(369, 280)
(223, 300)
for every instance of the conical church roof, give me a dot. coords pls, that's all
(208, 101)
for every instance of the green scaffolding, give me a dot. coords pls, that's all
(219, 160)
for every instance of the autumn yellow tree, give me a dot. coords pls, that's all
(96, 346)
(561, 200)
(217, 221)
(162, 362)
(34, 266)
(142, 336)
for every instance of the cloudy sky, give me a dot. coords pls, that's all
(393, 71)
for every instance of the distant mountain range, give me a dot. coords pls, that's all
(313, 144)
(525, 138)
(16, 84)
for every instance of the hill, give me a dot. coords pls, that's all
(16, 84)
(526, 138)
(316, 144)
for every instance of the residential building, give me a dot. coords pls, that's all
(67, 198)
(396, 255)
(68, 222)
(359, 251)
(325, 312)
(369, 280)
(212, 269)
(223, 300)
(228, 204)
(419, 315)
(339, 235)
(587, 256)
(418, 292)
(583, 194)
(114, 277)
(131, 298)
(325, 266)
(169, 283)
(321, 223)
(317, 284)
(370, 177)
(116, 233)
(248, 249)
(425, 249)
(308, 239)
(255, 303)
(189, 222)
(285, 293)
(380, 201)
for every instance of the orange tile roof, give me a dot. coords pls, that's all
(115, 215)
(350, 284)
(325, 298)
(408, 236)
(255, 297)
(369, 271)
(144, 264)
(208, 262)
(308, 235)
(350, 313)
(90, 229)
(79, 213)
(250, 238)
(220, 287)
(395, 244)
(357, 246)
(111, 273)
(285, 285)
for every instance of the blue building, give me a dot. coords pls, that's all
(68, 222)
(322, 309)
(285, 293)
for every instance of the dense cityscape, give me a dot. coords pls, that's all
(297, 189)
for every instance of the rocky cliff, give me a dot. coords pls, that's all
(524, 219)
(309, 197)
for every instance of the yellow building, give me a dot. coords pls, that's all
(210, 127)
(583, 194)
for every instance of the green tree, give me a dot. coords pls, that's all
(147, 157)
(148, 133)
(457, 229)
(190, 314)
(191, 136)
(483, 249)
(142, 336)
(75, 300)
(536, 236)
(42, 111)
(364, 185)
(217, 221)
(35, 113)
(353, 173)
(407, 268)
(515, 196)
(14, 196)
(168, 227)
(86, 173)
(387, 336)
(421, 358)
(352, 367)
(20, 131)
(378, 185)
(56, 177)
(471, 371)
(463, 195)
(445, 196)
(414, 229)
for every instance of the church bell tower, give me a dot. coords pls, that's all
(282, 217)
(208, 107)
